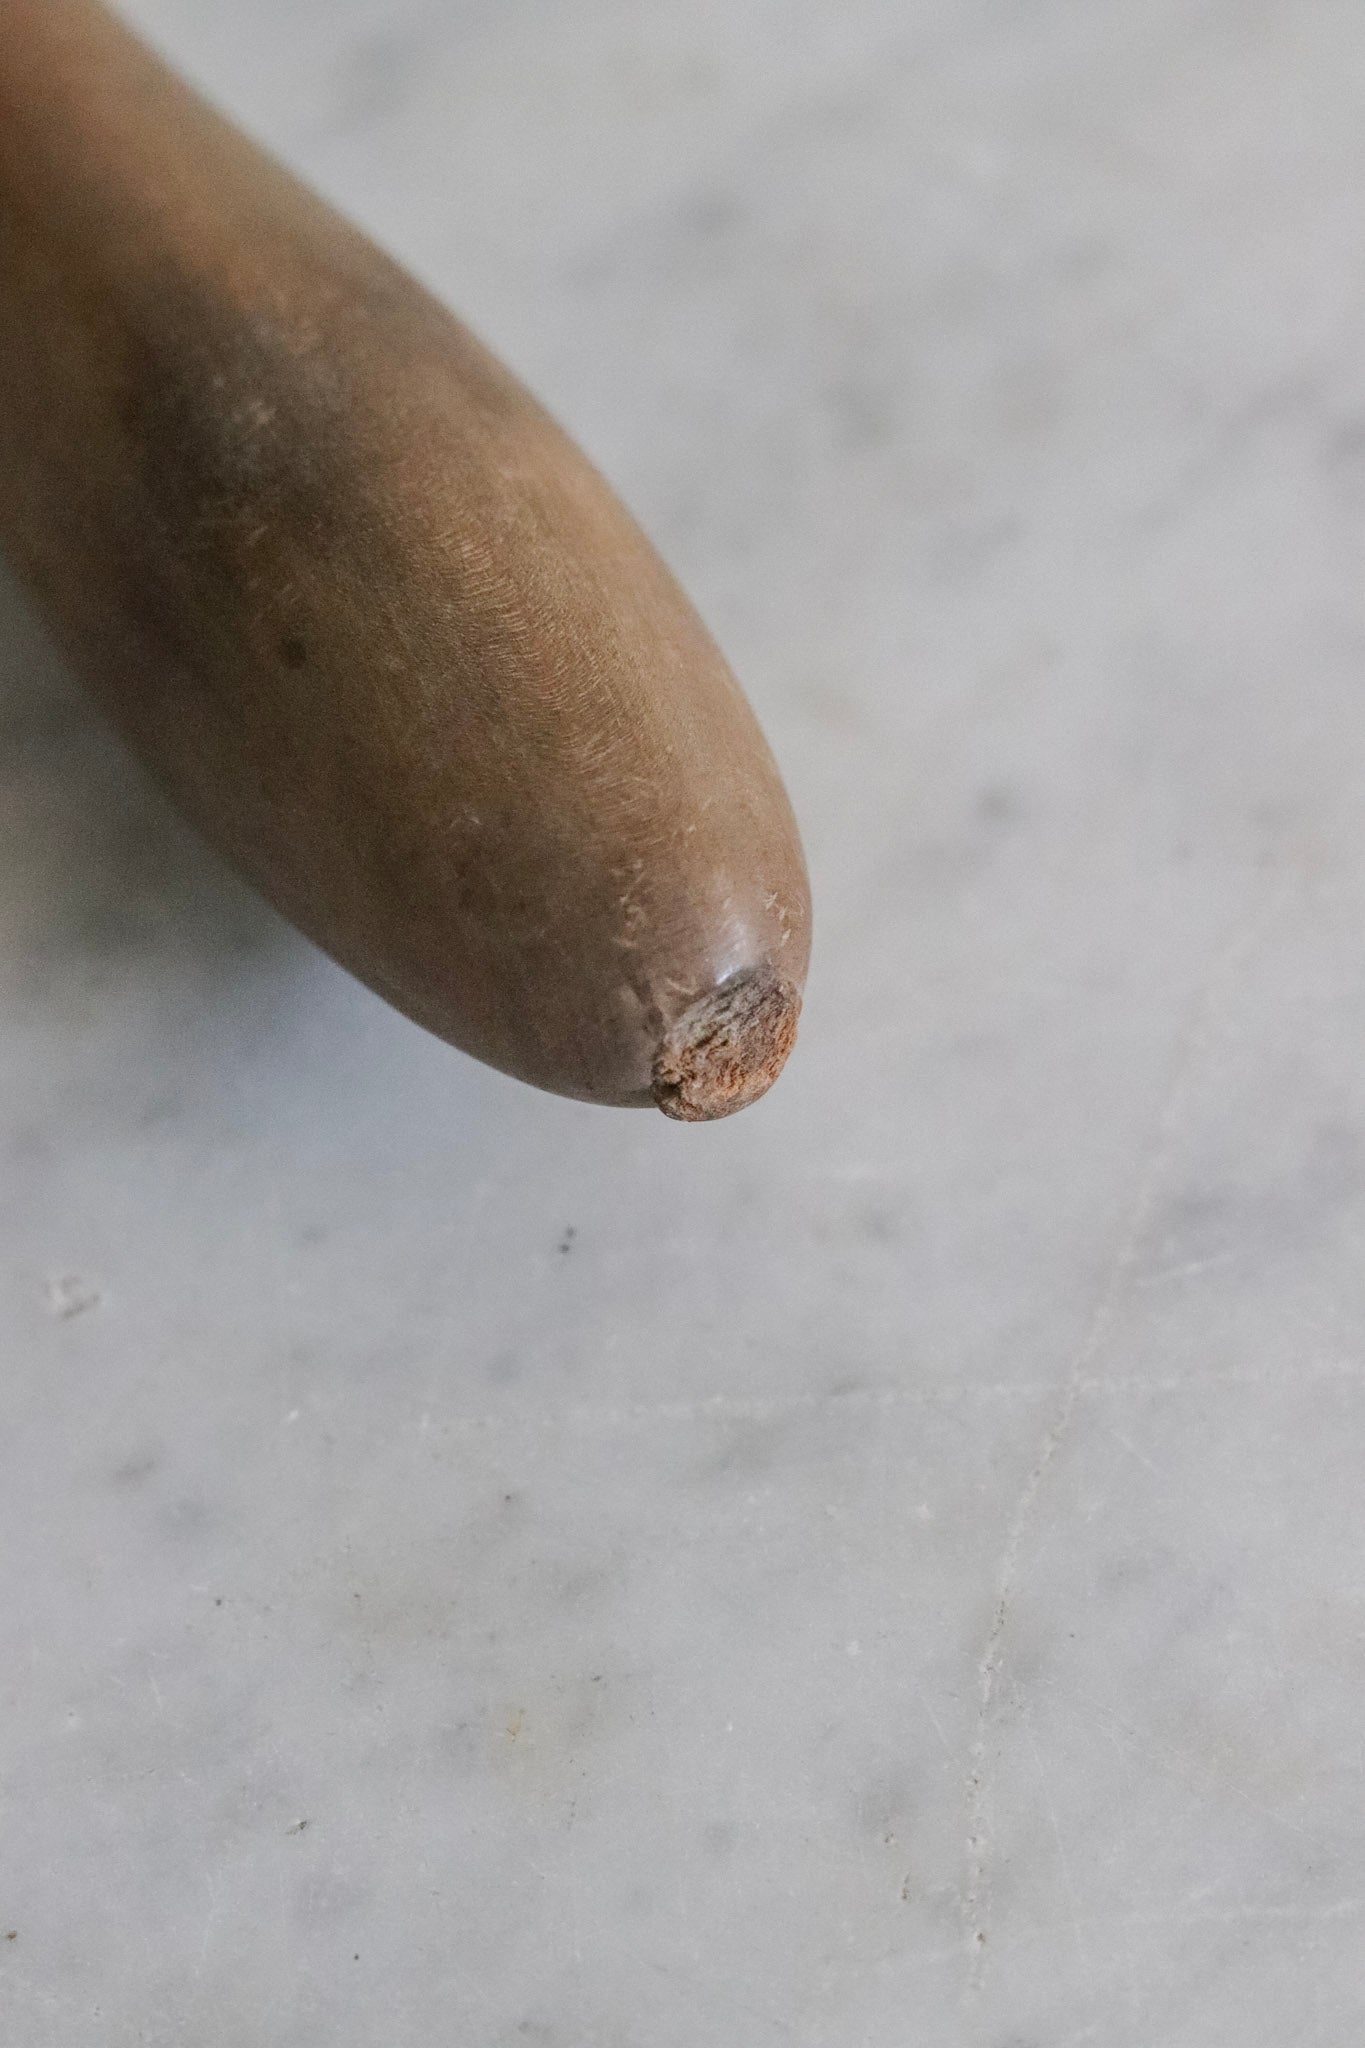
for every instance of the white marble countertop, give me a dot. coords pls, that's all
(476, 1569)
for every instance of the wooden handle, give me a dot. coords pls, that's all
(381, 629)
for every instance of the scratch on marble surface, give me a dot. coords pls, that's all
(592, 1417)
(211, 1915)
(1126, 1443)
(1115, 1289)
(1195, 1769)
(1189, 1269)
(1248, 1913)
(723, 1998)
(1104, 1924)
(56, 2000)
(1068, 1882)
(922, 1696)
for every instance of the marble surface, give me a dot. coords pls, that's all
(477, 1569)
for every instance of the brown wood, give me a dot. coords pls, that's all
(381, 629)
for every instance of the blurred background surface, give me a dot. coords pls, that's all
(475, 1568)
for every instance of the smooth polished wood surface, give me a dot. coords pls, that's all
(379, 626)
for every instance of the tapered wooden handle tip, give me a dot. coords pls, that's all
(374, 621)
(726, 1051)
